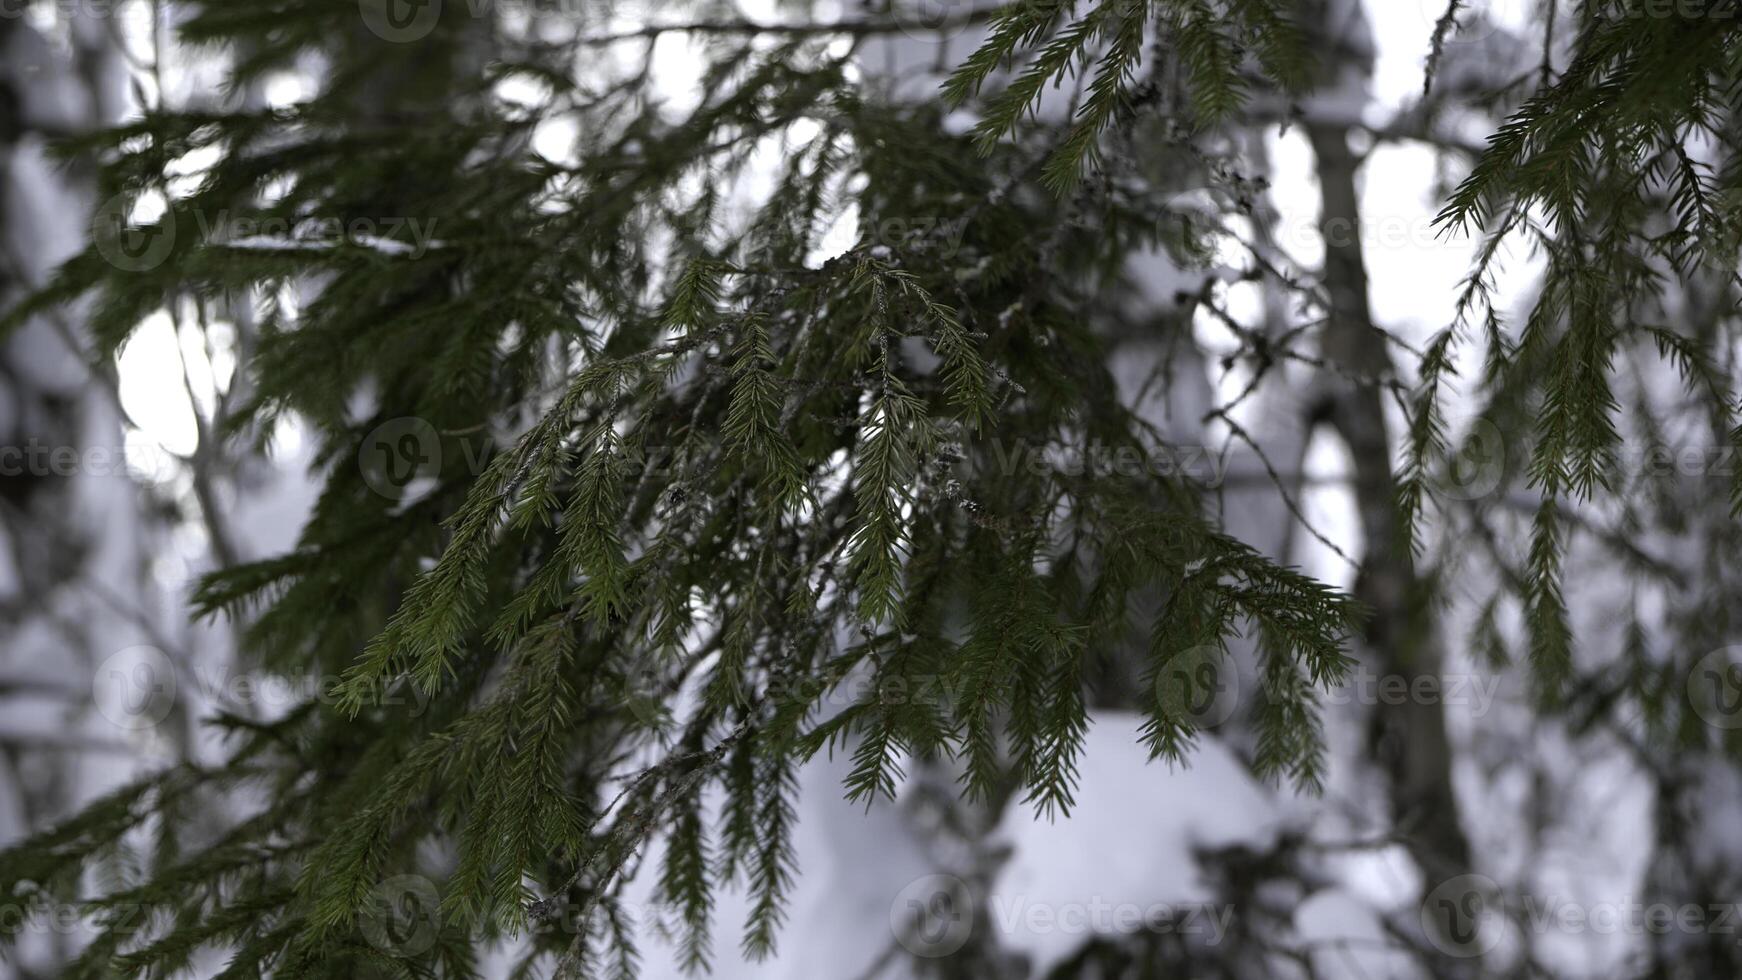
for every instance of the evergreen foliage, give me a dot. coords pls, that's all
(689, 482)
(1606, 171)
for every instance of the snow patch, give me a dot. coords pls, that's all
(1129, 841)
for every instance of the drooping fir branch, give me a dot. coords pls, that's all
(1205, 39)
(683, 480)
(1620, 170)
